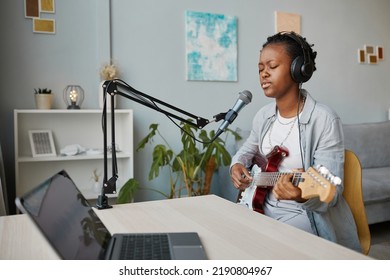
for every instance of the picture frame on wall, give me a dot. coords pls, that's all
(33, 8)
(47, 6)
(361, 56)
(44, 26)
(372, 59)
(42, 143)
(208, 56)
(379, 52)
(369, 49)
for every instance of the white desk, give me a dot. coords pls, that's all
(227, 231)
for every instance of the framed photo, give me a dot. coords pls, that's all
(42, 143)
(369, 49)
(287, 22)
(47, 6)
(379, 52)
(361, 56)
(31, 8)
(44, 26)
(372, 59)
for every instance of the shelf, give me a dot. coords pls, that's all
(70, 158)
(69, 127)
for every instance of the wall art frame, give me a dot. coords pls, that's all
(42, 143)
(370, 54)
(41, 25)
(47, 6)
(211, 47)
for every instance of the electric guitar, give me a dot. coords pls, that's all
(315, 182)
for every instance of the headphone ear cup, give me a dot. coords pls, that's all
(307, 70)
(296, 66)
(301, 72)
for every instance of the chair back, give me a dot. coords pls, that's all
(354, 197)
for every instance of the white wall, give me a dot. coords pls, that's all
(148, 44)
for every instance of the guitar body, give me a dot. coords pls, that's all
(274, 158)
(248, 196)
(313, 183)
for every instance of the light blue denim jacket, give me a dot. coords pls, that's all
(322, 144)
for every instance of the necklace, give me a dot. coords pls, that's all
(288, 134)
(292, 122)
(282, 123)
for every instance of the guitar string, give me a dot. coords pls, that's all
(270, 178)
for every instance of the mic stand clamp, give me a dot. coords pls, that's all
(219, 117)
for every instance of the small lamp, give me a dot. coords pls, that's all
(73, 96)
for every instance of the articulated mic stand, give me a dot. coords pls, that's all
(119, 87)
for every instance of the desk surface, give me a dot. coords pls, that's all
(227, 231)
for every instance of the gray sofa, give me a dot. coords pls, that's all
(371, 143)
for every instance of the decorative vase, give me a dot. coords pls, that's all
(43, 101)
(108, 97)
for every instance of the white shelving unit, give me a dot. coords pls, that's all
(83, 127)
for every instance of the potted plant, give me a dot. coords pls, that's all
(127, 192)
(190, 169)
(43, 98)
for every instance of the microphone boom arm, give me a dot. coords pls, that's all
(119, 87)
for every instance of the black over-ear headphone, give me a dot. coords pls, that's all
(302, 67)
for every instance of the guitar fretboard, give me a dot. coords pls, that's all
(266, 179)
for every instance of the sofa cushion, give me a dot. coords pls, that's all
(370, 142)
(376, 185)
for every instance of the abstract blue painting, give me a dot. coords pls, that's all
(211, 47)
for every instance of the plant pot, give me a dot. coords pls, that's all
(43, 101)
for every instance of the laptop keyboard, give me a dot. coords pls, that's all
(151, 246)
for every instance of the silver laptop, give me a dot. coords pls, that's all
(74, 230)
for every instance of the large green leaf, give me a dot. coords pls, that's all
(148, 138)
(126, 193)
(161, 157)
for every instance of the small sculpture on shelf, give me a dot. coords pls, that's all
(97, 183)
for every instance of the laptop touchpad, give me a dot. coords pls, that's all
(189, 253)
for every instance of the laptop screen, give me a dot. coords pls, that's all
(66, 219)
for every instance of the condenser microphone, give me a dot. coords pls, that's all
(244, 98)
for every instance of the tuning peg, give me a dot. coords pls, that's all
(336, 181)
(328, 175)
(323, 170)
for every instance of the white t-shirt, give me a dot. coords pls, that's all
(285, 132)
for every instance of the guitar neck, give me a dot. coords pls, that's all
(266, 179)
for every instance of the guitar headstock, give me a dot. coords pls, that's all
(319, 182)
